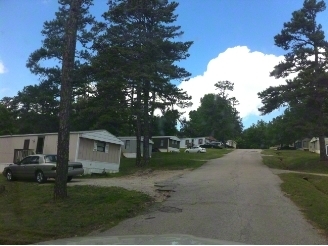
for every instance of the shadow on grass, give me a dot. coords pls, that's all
(310, 193)
(295, 160)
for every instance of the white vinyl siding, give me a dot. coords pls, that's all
(86, 152)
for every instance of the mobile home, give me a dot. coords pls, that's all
(303, 144)
(232, 143)
(166, 143)
(98, 150)
(189, 142)
(129, 149)
(314, 145)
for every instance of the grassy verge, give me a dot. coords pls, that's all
(310, 193)
(167, 161)
(295, 160)
(28, 214)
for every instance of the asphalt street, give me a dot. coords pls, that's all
(234, 198)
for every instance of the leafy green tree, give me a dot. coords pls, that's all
(254, 137)
(307, 49)
(7, 123)
(166, 125)
(35, 109)
(215, 117)
(287, 128)
(282, 130)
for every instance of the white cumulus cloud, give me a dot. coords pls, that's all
(249, 71)
(2, 67)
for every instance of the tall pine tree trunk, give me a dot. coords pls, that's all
(131, 124)
(60, 189)
(146, 132)
(322, 143)
(138, 125)
(320, 101)
(321, 126)
(152, 115)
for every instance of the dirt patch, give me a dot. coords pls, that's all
(157, 184)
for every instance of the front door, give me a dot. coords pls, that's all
(26, 144)
(39, 145)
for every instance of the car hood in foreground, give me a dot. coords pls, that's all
(172, 239)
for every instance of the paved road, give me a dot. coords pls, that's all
(234, 198)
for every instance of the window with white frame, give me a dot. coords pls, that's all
(200, 141)
(100, 146)
(162, 142)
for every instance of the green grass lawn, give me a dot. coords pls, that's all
(28, 214)
(310, 195)
(168, 161)
(295, 160)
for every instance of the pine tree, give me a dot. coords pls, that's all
(59, 45)
(137, 40)
(304, 40)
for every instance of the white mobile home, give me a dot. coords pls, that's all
(129, 149)
(302, 144)
(188, 142)
(166, 143)
(314, 145)
(232, 143)
(98, 150)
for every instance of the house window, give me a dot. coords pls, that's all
(200, 141)
(101, 146)
(187, 142)
(127, 144)
(173, 141)
(162, 142)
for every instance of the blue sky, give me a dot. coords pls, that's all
(233, 40)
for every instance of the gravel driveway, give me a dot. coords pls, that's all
(154, 183)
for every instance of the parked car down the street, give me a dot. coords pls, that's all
(211, 146)
(40, 168)
(195, 149)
